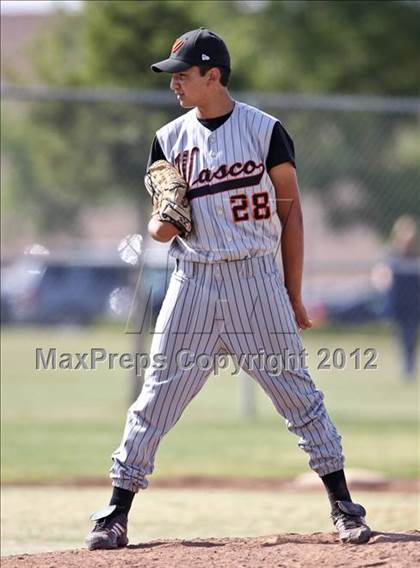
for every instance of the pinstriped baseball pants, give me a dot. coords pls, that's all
(237, 307)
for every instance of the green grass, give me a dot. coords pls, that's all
(61, 515)
(63, 425)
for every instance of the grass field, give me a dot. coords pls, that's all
(62, 515)
(64, 424)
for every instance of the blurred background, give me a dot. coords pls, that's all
(79, 111)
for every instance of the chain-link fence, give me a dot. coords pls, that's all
(73, 164)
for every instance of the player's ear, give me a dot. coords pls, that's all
(213, 75)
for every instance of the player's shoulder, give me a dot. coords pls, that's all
(174, 125)
(250, 112)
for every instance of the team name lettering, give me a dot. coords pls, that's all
(224, 171)
(185, 162)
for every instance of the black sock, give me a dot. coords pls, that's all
(123, 499)
(336, 486)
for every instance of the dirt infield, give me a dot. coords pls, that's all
(307, 482)
(297, 550)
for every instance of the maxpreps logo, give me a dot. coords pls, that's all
(177, 45)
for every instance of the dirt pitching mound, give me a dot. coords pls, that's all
(297, 550)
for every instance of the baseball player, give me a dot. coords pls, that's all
(223, 181)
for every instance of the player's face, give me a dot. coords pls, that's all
(190, 87)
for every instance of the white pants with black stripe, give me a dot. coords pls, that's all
(238, 307)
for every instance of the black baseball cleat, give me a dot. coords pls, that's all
(349, 520)
(110, 530)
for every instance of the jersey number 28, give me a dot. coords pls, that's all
(260, 206)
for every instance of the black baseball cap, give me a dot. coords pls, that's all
(198, 47)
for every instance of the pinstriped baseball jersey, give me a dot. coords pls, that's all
(232, 197)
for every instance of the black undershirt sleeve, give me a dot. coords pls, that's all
(281, 148)
(156, 153)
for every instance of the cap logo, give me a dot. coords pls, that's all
(204, 57)
(177, 45)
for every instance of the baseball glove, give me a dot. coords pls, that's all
(168, 190)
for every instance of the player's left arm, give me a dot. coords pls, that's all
(289, 210)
